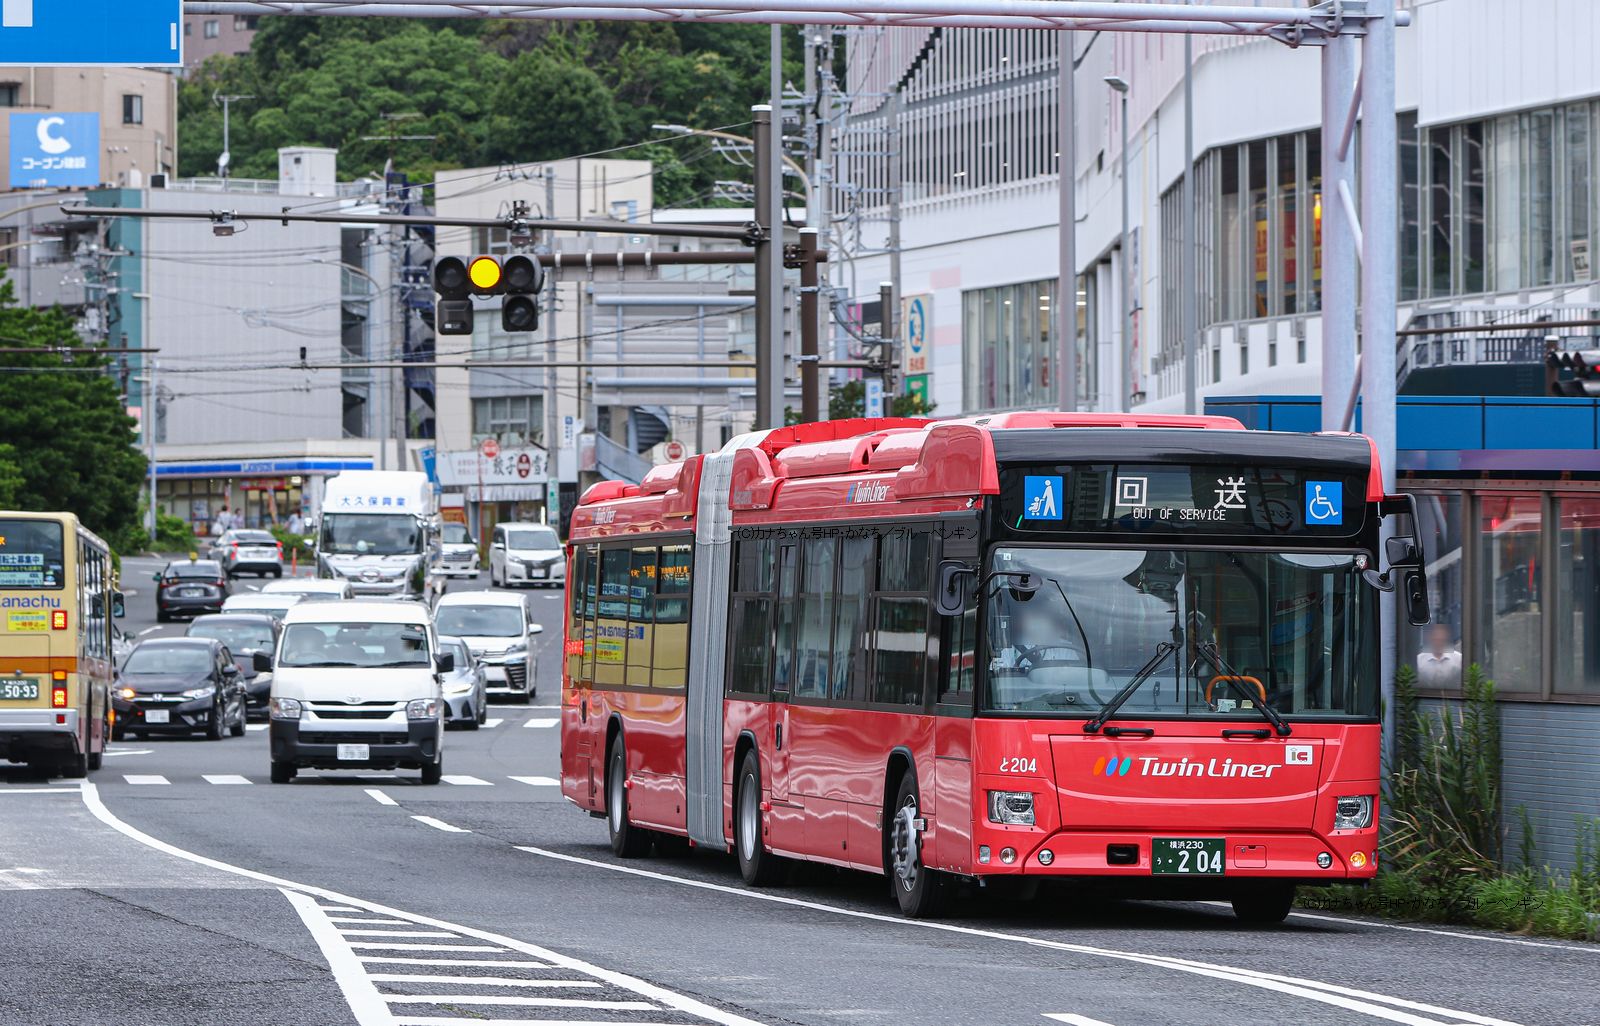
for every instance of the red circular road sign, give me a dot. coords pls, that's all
(489, 448)
(524, 464)
(676, 451)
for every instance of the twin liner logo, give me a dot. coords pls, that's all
(1153, 766)
(867, 491)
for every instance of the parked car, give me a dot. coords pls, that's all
(248, 552)
(466, 689)
(526, 554)
(458, 551)
(356, 686)
(179, 686)
(497, 628)
(245, 634)
(274, 606)
(311, 589)
(189, 587)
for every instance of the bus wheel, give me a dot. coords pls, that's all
(919, 890)
(75, 766)
(627, 840)
(758, 866)
(1265, 905)
(97, 758)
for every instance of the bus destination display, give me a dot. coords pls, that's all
(1181, 499)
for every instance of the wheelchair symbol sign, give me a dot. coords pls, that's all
(1324, 503)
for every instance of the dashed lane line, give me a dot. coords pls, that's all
(439, 824)
(493, 721)
(462, 780)
(538, 781)
(379, 797)
(540, 722)
(1074, 1019)
(224, 778)
(145, 778)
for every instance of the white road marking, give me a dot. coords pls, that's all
(387, 946)
(148, 630)
(37, 790)
(439, 824)
(549, 959)
(1350, 999)
(112, 753)
(359, 932)
(145, 778)
(224, 778)
(360, 919)
(1587, 948)
(359, 992)
(519, 999)
(379, 797)
(538, 781)
(253, 727)
(540, 723)
(465, 781)
(494, 722)
(1074, 1019)
(544, 707)
(434, 1020)
(488, 981)
(498, 963)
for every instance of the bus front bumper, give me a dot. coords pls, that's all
(25, 732)
(1297, 857)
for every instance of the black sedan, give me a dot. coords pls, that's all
(246, 635)
(179, 686)
(189, 587)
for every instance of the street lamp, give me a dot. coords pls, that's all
(1120, 85)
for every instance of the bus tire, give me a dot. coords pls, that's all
(758, 866)
(920, 891)
(1264, 905)
(97, 758)
(627, 840)
(282, 771)
(75, 765)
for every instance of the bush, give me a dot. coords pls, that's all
(172, 535)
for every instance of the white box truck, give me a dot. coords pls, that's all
(379, 529)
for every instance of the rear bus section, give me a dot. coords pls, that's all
(56, 600)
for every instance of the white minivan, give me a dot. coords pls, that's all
(356, 686)
(497, 628)
(526, 554)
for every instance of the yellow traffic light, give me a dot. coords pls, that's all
(485, 274)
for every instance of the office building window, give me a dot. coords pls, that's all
(1436, 648)
(510, 418)
(1009, 346)
(132, 109)
(212, 28)
(245, 22)
(1508, 639)
(10, 94)
(1577, 566)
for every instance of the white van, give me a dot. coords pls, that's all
(356, 686)
(526, 554)
(497, 628)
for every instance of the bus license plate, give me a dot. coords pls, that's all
(157, 716)
(19, 690)
(1187, 856)
(355, 753)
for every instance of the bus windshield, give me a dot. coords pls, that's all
(31, 554)
(1294, 630)
(371, 534)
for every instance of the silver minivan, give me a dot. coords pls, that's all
(526, 554)
(356, 685)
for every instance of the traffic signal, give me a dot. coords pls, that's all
(1573, 374)
(522, 280)
(452, 314)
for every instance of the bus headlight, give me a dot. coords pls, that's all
(1352, 812)
(1013, 808)
(284, 708)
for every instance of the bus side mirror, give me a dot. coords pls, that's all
(954, 586)
(1414, 593)
(118, 609)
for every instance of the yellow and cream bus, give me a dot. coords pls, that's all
(57, 597)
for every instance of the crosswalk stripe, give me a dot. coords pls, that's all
(492, 962)
(379, 797)
(439, 824)
(426, 947)
(432, 1020)
(255, 726)
(488, 981)
(224, 778)
(145, 778)
(493, 722)
(465, 781)
(518, 999)
(541, 722)
(343, 932)
(538, 781)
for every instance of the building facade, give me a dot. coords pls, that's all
(206, 36)
(133, 133)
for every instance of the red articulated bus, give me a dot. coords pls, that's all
(1029, 645)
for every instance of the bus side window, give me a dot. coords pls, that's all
(900, 619)
(783, 643)
(641, 615)
(849, 633)
(814, 640)
(611, 623)
(591, 610)
(578, 641)
(961, 633)
(673, 584)
(752, 643)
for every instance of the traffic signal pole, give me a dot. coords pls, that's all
(769, 269)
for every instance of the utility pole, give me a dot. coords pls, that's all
(891, 312)
(1189, 301)
(822, 187)
(769, 267)
(810, 398)
(1125, 386)
(226, 159)
(889, 351)
(152, 409)
(552, 413)
(1067, 213)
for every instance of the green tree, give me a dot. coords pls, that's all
(850, 400)
(70, 441)
(546, 107)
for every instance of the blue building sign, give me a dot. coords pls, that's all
(51, 149)
(143, 33)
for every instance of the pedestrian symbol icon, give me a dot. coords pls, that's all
(1041, 497)
(1324, 503)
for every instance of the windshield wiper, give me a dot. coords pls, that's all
(1236, 679)
(1163, 650)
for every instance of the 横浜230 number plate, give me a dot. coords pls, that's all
(19, 689)
(1187, 856)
